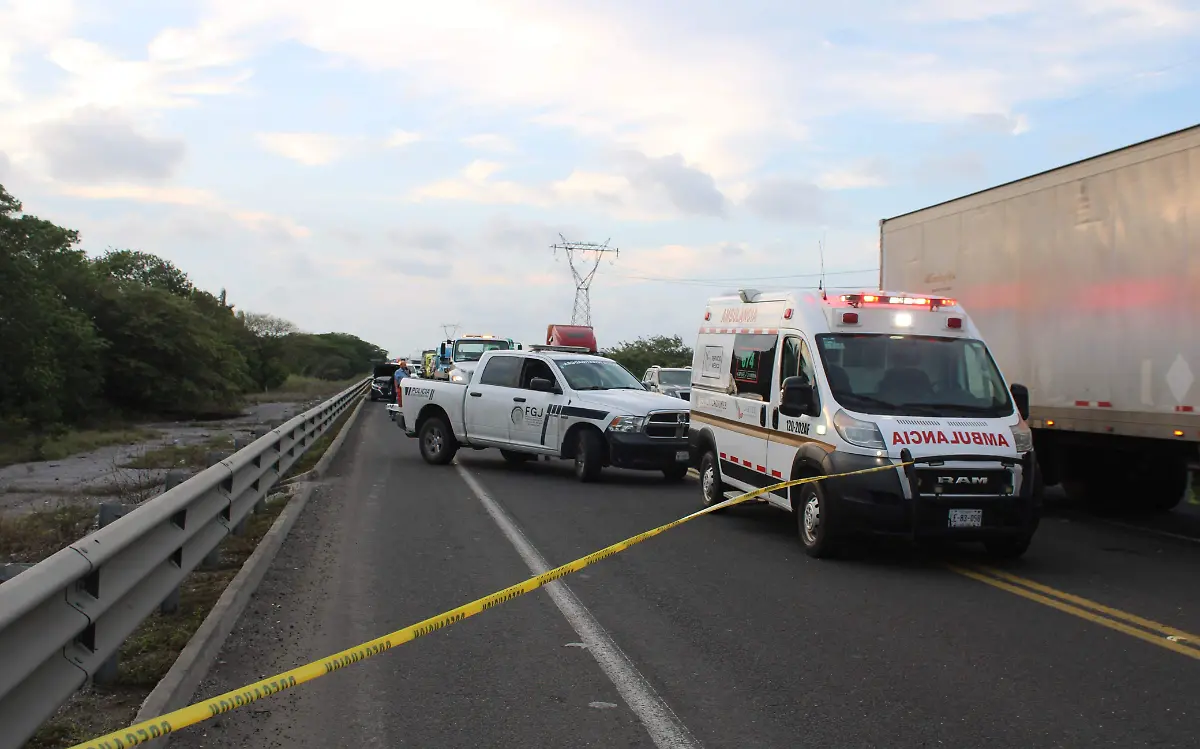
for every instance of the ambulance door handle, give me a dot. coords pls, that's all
(774, 418)
(762, 416)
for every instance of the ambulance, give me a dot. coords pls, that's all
(792, 385)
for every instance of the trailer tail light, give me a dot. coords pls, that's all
(849, 318)
(787, 313)
(1178, 432)
(954, 323)
(707, 315)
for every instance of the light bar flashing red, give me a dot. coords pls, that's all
(857, 300)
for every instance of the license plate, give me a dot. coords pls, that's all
(966, 518)
(682, 455)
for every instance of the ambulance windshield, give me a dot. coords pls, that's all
(914, 375)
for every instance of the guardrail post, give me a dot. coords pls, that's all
(212, 459)
(110, 512)
(174, 478)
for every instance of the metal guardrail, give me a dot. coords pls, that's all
(62, 619)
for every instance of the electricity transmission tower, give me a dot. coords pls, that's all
(450, 331)
(584, 259)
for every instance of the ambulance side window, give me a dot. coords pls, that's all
(753, 365)
(796, 360)
(976, 364)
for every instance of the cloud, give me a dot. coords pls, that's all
(999, 123)
(281, 228)
(788, 200)
(641, 189)
(489, 142)
(688, 189)
(96, 145)
(401, 138)
(964, 166)
(309, 149)
(874, 172)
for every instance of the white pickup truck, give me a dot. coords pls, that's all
(556, 403)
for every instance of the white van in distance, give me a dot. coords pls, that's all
(791, 385)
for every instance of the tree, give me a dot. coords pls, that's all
(129, 332)
(645, 352)
(266, 348)
(132, 266)
(48, 369)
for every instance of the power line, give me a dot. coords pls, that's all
(743, 279)
(584, 259)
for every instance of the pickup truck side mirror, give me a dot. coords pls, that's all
(542, 385)
(1020, 395)
(799, 398)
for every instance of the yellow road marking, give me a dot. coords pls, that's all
(1172, 639)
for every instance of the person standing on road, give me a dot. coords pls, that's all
(401, 373)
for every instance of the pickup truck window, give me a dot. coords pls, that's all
(536, 368)
(597, 374)
(502, 371)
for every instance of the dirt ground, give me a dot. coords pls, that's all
(130, 473)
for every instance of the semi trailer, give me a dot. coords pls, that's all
(1085, 281)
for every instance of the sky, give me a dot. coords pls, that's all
(387, 167)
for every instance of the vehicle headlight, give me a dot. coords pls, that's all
(1022, 436)
(460, 376)
(858, 432)
(626, 424)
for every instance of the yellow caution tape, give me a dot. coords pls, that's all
(154, 728)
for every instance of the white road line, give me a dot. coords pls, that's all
(665, 727)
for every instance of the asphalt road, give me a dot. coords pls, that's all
(718, 633)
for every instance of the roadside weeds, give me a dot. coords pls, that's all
(297, 388)
(71, 443)
(152, 649)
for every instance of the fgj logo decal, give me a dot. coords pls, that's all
(518, 413)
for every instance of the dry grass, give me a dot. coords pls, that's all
(152, 649)
(179, 456)
(72, 443)
(32, 537)
(298, 389)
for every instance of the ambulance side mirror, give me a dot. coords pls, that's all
(799, 398)
(1020, 395)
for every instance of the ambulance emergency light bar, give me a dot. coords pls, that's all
(857, 300)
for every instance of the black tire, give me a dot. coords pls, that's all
(438, 443)
(817, 534)
(515, 458)
(589, 456)
(675, 473)
(1007, 547)
(712, 490)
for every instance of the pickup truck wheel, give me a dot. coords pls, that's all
(589, 452)
(1009, 547)
(438, 444)
(516, 458)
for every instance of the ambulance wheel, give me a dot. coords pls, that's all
(813, 522)
(438, 443)
(712, 491)
(675, 472)
(589, 455)
(515, 458)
